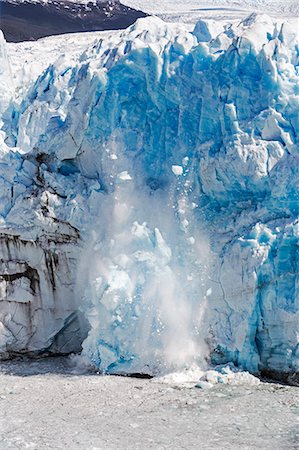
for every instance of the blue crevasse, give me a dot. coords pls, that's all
(175, 154)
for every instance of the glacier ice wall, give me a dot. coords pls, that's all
(174, 156)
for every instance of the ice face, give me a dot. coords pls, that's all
(175, 156)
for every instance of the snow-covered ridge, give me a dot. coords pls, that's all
(82, 2)
(173, 157)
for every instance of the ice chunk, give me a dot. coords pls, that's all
(204, 385)
(124, 176)
(177, 170)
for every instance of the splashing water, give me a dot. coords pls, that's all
(147, 274)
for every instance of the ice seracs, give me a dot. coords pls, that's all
(172, 157)
(6, 91)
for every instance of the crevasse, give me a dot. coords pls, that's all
(175, 156)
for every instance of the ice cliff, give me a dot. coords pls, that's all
(152, 184)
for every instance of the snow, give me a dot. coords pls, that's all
(152, 173)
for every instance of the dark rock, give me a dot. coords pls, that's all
(28, 21)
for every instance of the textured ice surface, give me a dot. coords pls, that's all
(173, 156)
(192, 10)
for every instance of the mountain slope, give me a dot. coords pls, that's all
(26, 20)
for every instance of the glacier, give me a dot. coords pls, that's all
(150, 186)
